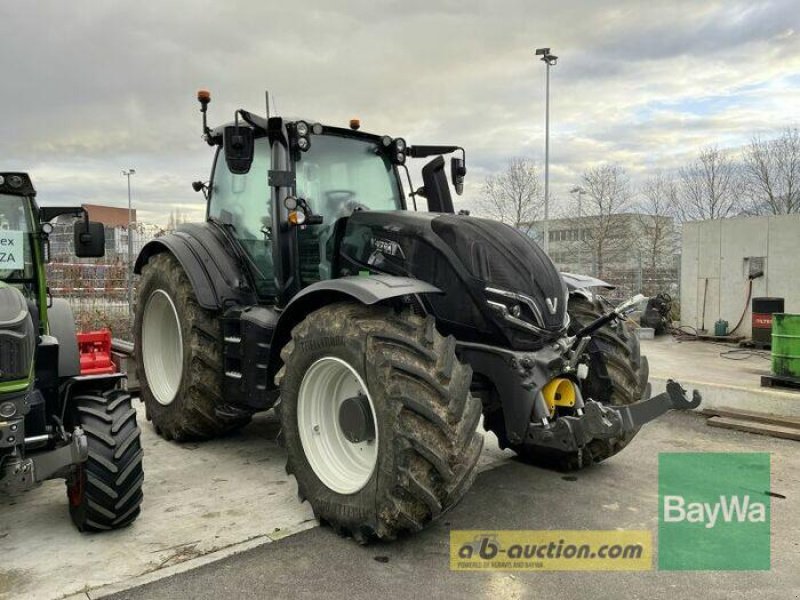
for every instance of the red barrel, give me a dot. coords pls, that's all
(763, 309)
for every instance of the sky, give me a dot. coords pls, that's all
(91, 87)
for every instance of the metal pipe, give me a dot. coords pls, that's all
(37, 439)
(547, 162)
(128, 174)
(122, 346)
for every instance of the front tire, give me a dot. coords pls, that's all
(105, 492)
(179, 357)
(425, 446)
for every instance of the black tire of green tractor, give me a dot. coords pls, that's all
(429, 444)
(617, 376)
(198, 411)
(105, 492)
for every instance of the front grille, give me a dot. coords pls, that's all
(16, 355)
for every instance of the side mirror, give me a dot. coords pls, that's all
(239, 144)
(458, 169)
(90, 239)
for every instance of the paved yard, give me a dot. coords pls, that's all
(199, 499)
(621, 493)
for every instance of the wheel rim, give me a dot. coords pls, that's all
(343, 466)
(162, 347)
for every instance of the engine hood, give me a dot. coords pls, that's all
(497, 281)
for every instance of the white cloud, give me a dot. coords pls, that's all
(91, 87)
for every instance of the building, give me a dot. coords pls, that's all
(722, 257)
(632, 250)
(110, 216)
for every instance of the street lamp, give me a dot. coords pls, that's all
(128, 174)
(549, 60)
(580, 193)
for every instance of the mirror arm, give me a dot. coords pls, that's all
(411, 193)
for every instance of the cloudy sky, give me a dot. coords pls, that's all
(92, 87)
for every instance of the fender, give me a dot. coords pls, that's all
(216, 277)
(365, 290)
(578, 282)
(61, 324)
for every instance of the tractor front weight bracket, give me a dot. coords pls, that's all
(20, 474)
(601, 421)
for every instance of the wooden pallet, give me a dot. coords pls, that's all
(788, 433)
(751, 415)
(780, 381)
(754, 422)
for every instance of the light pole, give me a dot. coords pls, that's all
(580, 193)
(128, 174)
(549, 60)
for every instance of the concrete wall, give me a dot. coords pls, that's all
(716, 252)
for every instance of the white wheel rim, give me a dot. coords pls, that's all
(343, 466)
(162, 347)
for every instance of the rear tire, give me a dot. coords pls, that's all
(427, 439)
(189, 405)
(105, 492)
(618, 376)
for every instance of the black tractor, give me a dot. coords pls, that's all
(55, 422)
(381, 333)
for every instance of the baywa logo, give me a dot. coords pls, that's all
(714, 511)
(730, 509)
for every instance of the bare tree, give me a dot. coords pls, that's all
(657, 240)
(515, 196)
(772, 174)
(607, 192)
(708, 187)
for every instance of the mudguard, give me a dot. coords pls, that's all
(366, 290)
(62, 327)
(578, 282)
(217, 278)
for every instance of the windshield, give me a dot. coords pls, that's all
(338, 175)
(16, 258)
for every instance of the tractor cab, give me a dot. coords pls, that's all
(282, 189)
(19, 234)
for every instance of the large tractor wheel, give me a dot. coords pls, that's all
(379, 425)
(105, 492)
(179, 357)
(618, 375)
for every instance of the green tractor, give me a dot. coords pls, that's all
(381, 334)
(55, 422)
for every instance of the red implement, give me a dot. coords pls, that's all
(95, 351)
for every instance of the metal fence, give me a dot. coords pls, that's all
(96, 288)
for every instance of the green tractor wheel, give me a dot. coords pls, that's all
(105, 492)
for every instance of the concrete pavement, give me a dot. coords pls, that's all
(621, 493)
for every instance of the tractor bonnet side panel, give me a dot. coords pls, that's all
(462, 256)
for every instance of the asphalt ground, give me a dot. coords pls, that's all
(619, 494)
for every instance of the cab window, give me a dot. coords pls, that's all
(245, 203)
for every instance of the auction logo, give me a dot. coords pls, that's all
(550, 550)
(714, 511)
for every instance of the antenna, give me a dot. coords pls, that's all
(266, 94)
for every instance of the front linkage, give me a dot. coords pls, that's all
(530, 421)
(600, 421)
